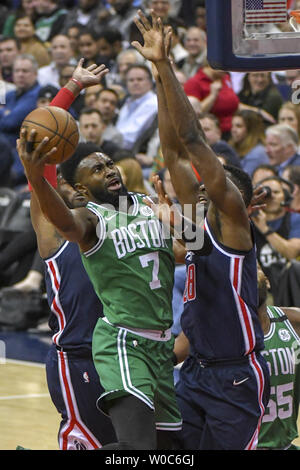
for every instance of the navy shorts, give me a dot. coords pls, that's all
(222, 405)
(74, 388)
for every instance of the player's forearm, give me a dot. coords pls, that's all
(66, 95)
(290, 249)
(190, 133)
(168, 138)
(53, 206)
(182, 114)
(181, 347)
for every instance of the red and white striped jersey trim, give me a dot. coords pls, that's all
(74, 430)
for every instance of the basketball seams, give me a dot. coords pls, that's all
(50, 130)
(62, 134)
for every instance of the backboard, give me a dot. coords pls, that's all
(246, 35)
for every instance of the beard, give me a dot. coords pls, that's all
(114, 198)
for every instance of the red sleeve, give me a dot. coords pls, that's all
(63, 99)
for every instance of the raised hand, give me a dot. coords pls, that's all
(91, 75)
(156, 40)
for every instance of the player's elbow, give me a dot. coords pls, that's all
(190, 135)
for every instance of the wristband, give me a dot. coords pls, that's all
(78, 83)
(269, 232)
(63, 99)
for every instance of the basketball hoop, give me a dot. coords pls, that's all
(295, 20)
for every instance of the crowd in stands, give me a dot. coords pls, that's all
(249, 119)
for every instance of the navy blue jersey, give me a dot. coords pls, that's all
(73, 302)
(220, 315)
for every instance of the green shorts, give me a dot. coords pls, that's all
(130, 364)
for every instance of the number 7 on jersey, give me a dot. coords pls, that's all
(145, 260)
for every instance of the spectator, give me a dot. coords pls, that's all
(88, 47)
(289, 114)
(139, 111)
(51, 19)
(27, 7)
(46, 95)
(73, 34)
(277, 234)
(261, 172)
(211, 128)
(19, 103)
(107, 103)
(61, 54)
(292, 174)
(91, 127)
(131, 173)
(247, 139)
(3, 15)
(110, 44)
(9, 49)
(91, 95)
(211, 91)
(85, 13)
(120, 17)
(25, 33)
(193, 13)
(260, 92)
(117, 80)
(195, 45)
(282, 143)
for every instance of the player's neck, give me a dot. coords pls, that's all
(264, 318)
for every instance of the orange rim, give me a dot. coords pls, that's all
(295, 14)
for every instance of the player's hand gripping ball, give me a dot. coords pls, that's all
(56, 124)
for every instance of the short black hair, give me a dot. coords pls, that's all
(69, 167)
(111, 35)
(242, 180)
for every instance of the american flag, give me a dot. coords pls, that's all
(265, 11)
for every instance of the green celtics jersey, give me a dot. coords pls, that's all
(132, 266)
(279, 423)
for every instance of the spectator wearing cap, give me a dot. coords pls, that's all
(46, 95)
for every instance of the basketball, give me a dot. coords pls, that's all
(59, 126)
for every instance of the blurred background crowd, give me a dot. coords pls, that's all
(251, 120)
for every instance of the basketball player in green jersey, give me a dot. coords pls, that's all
(131, 264)
(281, 328)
